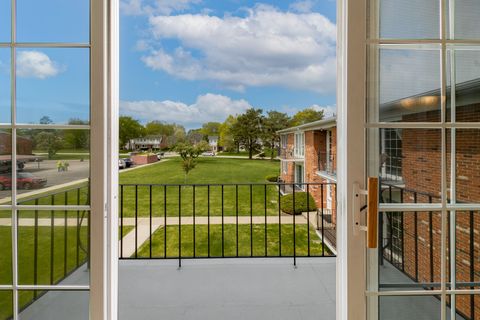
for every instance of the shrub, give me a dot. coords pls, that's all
(286, 203)
(272, 178)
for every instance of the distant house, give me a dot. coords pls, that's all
(145, 143)
(24, 145)
(213, 142)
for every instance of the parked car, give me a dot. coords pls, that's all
(160, 155)
(208, 154)
(121, 164)
(6, 166)
(25, 180)
(128, 162)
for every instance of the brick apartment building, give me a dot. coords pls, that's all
(410, 166)
(308, 155)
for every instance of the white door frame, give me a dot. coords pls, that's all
(351, 94)
(104, 162)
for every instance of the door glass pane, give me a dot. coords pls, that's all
(5, 21)
(5, 249)
(5, 85)
(53, 166)
(5, 166)
(410, 250)
(409, 86)
(467, 85)
(466, 22)
(467, 227)
(6, 305)
(410, 19)
(54, 305)
(409, 165)
(409, 307)
(53, 247)
(53, 21)
(53, 86)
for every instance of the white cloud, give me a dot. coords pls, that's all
(328, 111)
(208, 107)
(36, 64)
(302, 6)
(163, 7)
(267, 47)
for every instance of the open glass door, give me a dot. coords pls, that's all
(423, 142)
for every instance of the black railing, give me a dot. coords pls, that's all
(326, 163)
(171, 221)
(49, 264)
(420, 232)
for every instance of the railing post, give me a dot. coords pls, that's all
(403, 233)
(472, 263)
(52, 240)
(121, 221)
(265, 206)
(415, 229)
(323, 220)
(136, 221)
(179, 226)
(294, 230)
(35, 255)
(150, 225)
(208, 220)
(430, 223)
(65, 236)
(77, 253)
(279, 222)
(308, 221)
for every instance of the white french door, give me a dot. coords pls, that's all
(419, 74)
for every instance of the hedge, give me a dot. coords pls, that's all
(286, 203)
(272, 178)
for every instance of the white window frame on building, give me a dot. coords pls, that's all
(299, 145)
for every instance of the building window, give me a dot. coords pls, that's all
(299, 172)
(283, 141)
(299, 149)
(391, 154)
(284, 167)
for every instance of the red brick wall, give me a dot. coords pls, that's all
(421, 173)
(24, 146)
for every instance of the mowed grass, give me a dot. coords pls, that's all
(251, 241)
(201, 199)
(64, 261)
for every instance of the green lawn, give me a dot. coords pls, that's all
(208, 171)
(62, 264)
(236, 154)
(230, 240)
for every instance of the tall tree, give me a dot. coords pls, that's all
(226, 139)
(49, 141)
(248, 130)
(306, 116)
(272, 123)
(77, 138)
(211, 129)
(158, 128)
(129, 128)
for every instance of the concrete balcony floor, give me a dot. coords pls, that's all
(228, 289)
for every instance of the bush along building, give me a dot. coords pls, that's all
(308, 155)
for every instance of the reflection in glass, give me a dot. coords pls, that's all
(467, 85)
(409, 85)
(55, 305)
(409, 307)
(466, 248)
(409, 19)
(409, 165)
(467, 24)
(53, 158)
(6, 304)
(5, 87)
(53, 21)
(6, 166)
(53, 247)
(5, 249)
(5, 20)
(53, 86)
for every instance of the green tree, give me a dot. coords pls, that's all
(247, 130)
(46, 120)
(226, 139)
(129, 128)
(158, 128)
(49, 141)
(274, 122)
(306, 116)
(211, 129)
(77, 138)
(189, 153)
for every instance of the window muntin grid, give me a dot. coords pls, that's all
(391, 154)
(9, 122)
(447, 41)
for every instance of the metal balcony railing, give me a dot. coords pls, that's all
(326, 163)
(172, 221)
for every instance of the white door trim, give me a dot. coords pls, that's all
(351, 91)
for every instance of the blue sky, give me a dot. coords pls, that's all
(183, 61)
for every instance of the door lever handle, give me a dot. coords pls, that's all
(372, 211)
